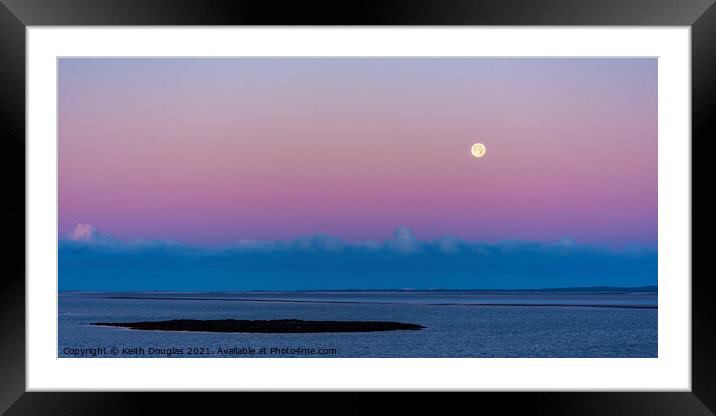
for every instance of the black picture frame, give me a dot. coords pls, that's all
(16, 15)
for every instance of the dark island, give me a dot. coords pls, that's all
(279, 326)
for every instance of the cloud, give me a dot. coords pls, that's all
(88, 262)
(83, 232)
(86, 233)
(370, 245)
(450, 245)
(404, 241)
(319, 242)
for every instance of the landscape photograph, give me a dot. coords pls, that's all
(357, 207)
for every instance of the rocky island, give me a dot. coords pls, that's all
(278, 326)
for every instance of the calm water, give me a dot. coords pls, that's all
(458, 324)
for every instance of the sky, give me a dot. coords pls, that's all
(209, 158)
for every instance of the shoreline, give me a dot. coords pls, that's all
(354, 302)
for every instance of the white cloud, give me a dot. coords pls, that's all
(87, 233)
(83, 232)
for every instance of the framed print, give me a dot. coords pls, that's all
(400, 198)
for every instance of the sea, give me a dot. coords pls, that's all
(458, 324)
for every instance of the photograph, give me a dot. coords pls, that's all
(357, 207)
(222, 200)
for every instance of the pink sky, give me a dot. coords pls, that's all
(212, 151)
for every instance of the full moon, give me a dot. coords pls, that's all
(478, 150)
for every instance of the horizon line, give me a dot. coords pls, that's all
(611, 289)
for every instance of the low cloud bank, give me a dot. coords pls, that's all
(89, 260)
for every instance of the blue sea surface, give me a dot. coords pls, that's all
(457, 324)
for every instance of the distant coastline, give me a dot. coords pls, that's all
(586, 289)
